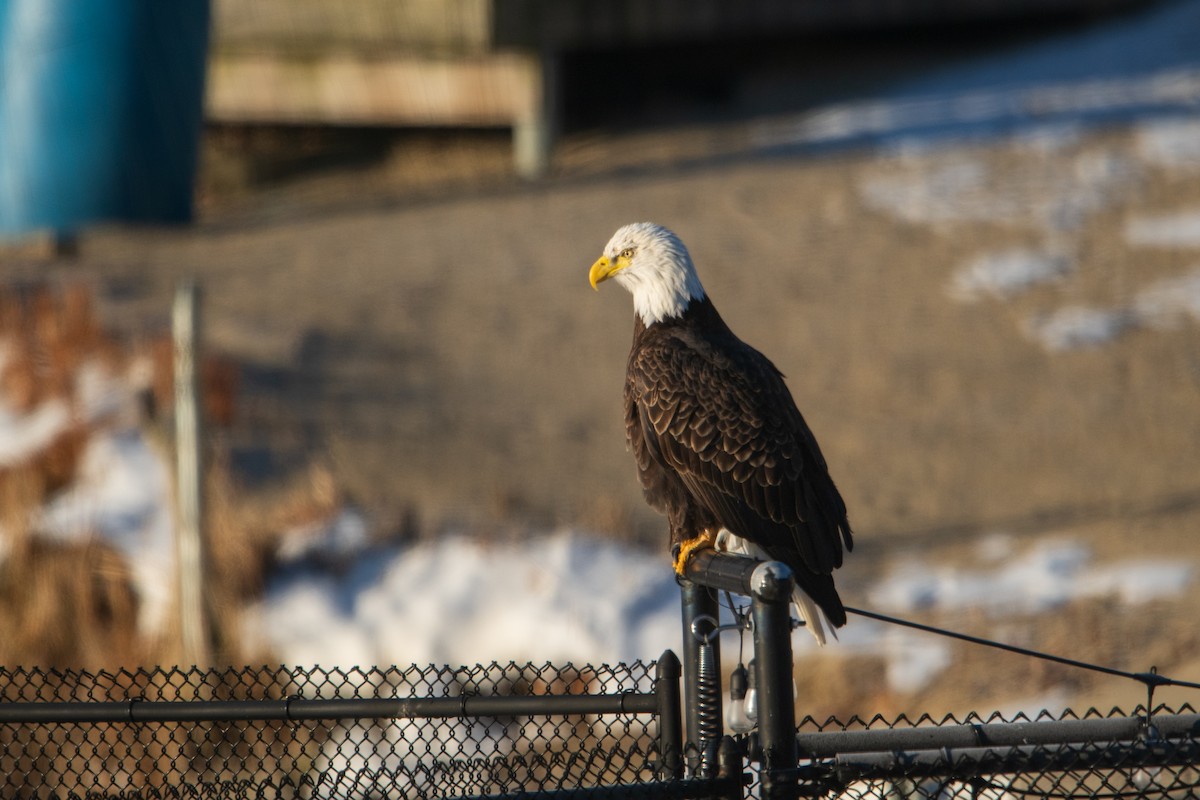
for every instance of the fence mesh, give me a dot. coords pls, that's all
(418, 758)
(1148, 766)
(436, 758)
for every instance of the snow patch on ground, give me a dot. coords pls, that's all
(1166, 302)
(1178, 229)
(24, 435)
(1170, 143)
(981, 110)
(1056, 195)
(1163, 304)
(570, 597)
(1127, 66)
(995, 546)
(566, 597)
(1076, 327)
(333, 542)
(945, 193)
(1048, 138)
(1007, 273)
(1046, 576)
(122, 492)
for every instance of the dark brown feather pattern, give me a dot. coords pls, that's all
(719, 442)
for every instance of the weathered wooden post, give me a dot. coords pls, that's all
(189, 477)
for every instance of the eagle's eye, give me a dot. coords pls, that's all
(627, 252)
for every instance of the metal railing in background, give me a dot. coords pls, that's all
(549, 732)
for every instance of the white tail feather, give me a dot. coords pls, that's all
(809, 611)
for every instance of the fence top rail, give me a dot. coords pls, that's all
(299, 709)
(1000, 734)
(990, 761)
(681, 789)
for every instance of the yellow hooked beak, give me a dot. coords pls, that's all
(605, 268)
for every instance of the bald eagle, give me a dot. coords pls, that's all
(721, 448)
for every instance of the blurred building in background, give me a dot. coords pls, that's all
(496, 63)
(102, 102)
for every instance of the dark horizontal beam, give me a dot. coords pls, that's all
(682, 789)
(975, 762)
(996, 734)
(296, 709)
(766, 580)
(721, 571)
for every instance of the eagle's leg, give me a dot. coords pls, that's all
(705, 540)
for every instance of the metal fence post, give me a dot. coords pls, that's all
(729, 762)
(670, 720)
(189, 471)
(698, 601)
(771, 591)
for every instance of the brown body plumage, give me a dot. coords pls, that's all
(719, 443)
(718, 440)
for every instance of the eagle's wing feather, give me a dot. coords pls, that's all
(724, 420)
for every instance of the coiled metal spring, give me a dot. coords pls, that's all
(708, 694)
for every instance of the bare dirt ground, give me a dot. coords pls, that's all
(422, 323)
(441, 346)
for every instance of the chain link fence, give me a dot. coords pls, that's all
(313, 733)
(79, 749)
(548, 732)
(1068, 755)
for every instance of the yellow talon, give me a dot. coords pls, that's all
(706, 540)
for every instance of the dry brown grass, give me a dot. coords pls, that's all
(73, 604)
(63, 604)
(69, 606)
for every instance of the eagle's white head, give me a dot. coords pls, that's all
(655, 267)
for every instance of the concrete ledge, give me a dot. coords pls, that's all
(503, 89)
(484, 90)
(288, 26)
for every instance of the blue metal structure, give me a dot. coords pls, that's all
(101, 105)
